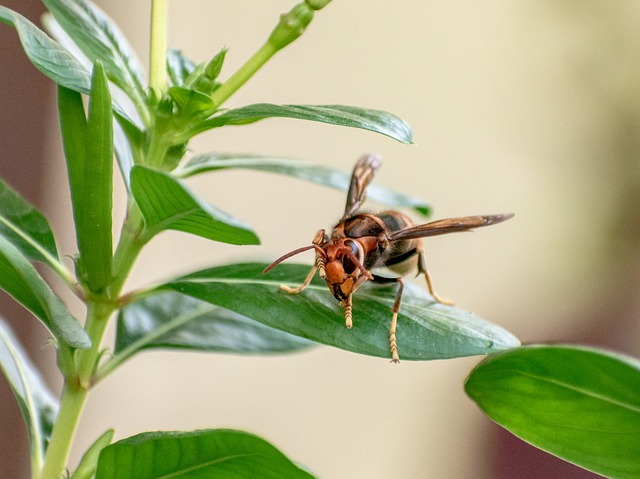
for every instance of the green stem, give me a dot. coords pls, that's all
(128, 249)
(291, 25)
(73, 399)
(245, 72)
(75, 393)
(158, 50)
(79, 380)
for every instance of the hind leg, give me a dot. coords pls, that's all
(422, 268)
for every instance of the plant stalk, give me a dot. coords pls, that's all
(291, 25)
(79, 381)
(75, 392)
(158, 50)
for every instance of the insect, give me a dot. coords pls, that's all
(364, 246)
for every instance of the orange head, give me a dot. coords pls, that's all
(343, 267)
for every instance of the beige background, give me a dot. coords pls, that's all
(519, 106)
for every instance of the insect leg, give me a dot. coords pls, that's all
(393, 344)
(304, 284)
(348, 314)
(422, 268)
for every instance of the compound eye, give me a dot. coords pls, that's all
(356, 249)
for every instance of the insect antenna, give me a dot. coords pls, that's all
(293, 253)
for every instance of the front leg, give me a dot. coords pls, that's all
(304, 284)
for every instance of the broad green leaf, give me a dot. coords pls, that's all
(89, 463)
(173, 320)
(179, 67)
(581, 404)
(20, 280)
(314, 173)
(221, 453)
(99, 38)
(95, 223)
(166, 203)
(37, 405)
(47, 55)
(25, 226)
(341, 115)
(426, 329)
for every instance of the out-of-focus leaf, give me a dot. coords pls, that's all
(173, 320)
(47, 55)
(89, 463)
(99, 38)
(581, 404)
(314, 173)
(37, 405)
(20, 280)
(25, 226)
(166, 203)
(179, 67)
(373, 120)
(426, 329)
(221, 453)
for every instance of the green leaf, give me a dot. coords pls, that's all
(189, 101)
(166, 203)
(89, 463)
(581, 404)
(20, 280)
(179, 67)
(25, 226)
(47, 55)
(372, 120)
(223, 454)
(99, 38)
(94, 227)
(73, 127)
(426, 329)
(314, 173)
(88, 147)
(173, 320)
(37, 405)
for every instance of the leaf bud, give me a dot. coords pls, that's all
(317, 4)
(291, 25)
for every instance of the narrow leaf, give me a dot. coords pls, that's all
(314, 173)
(37, 405)
(20, 280)
(173, 320)
(47, 55)
(73, 128)
(578, 403)
(99, 38)
(341, 115)
(223, 454)
(94, 224)
(25, 226)
(166, 203)
(89, 462)
(426, 329)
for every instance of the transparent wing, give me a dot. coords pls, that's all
(363, 173)
(450, 225)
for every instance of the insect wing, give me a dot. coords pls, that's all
(450, 225)
(363, 173)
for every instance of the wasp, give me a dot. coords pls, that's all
(381, 248)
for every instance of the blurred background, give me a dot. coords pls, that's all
(524, 107)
